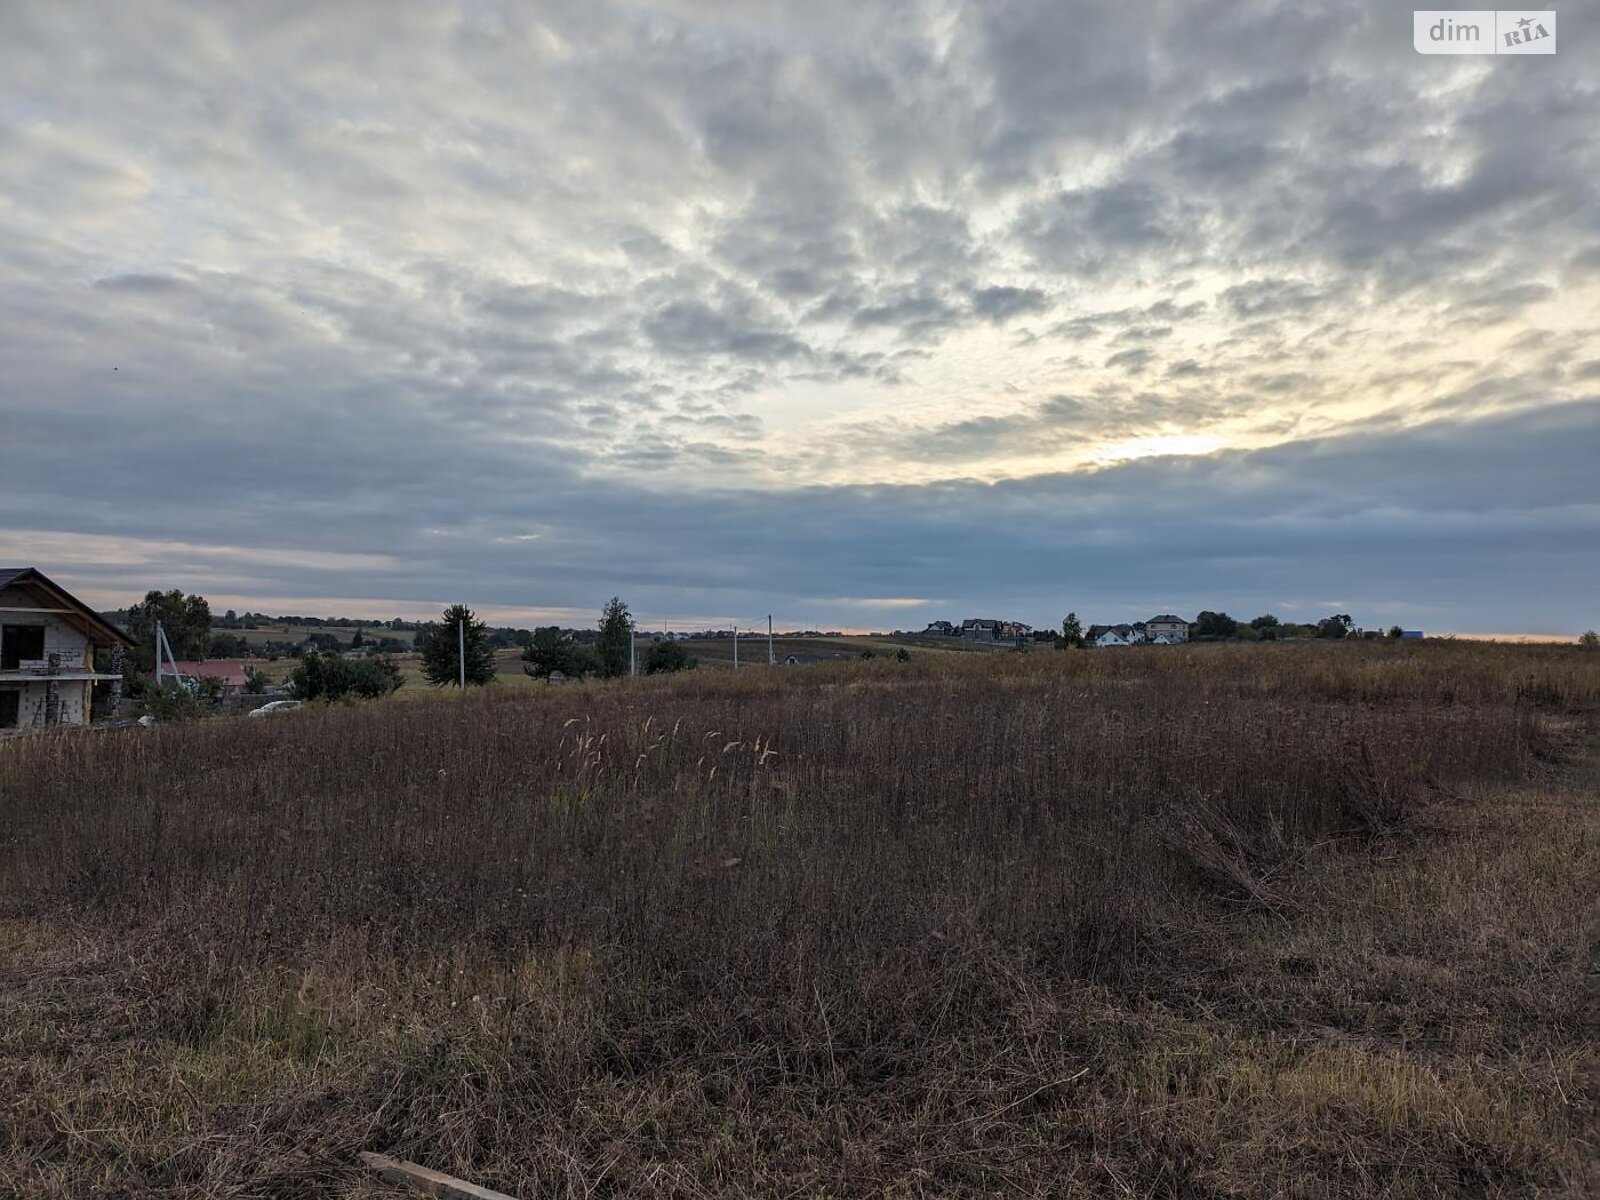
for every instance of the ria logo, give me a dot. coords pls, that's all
(1484, 31)
(1528, 31)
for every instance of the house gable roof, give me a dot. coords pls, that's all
(91, 624)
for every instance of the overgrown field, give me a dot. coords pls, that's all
(1310, 920)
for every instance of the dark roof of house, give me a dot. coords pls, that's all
(1167, 617)
(98, 630)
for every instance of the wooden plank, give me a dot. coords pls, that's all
(426, 1181)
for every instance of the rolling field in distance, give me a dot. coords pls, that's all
(1311, 920)
(714, 654)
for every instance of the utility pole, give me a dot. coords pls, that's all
(772, 660)
(461, 651)
(735, 647)
(163, 644)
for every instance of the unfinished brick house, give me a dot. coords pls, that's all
(47, 642)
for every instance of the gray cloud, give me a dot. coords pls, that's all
(1132, 361)
(1001, 303)
(545, 300)
(690, 327)
(1281, 529)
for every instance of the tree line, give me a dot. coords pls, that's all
(550, 651)
(459, 649)
(1220, 627)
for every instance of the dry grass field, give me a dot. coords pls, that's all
(1303, 921)
(717, 653)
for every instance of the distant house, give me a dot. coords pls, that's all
(941, 629)
(47, 642)
(1414, 635)
(1167, 630)
(984, 629)
(228, 672)
(1115, 635)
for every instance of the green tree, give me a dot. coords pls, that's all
(1589, 639)
(186, 620)
(1265, 621)
(552, 652)
(666, 657)
(1335, 627)
(1396, 632)
(254, 681)
(228, 645)
(441, 649)
(1213, 627)
(616, 638)
(1071, 632)
(328, 677)
(173, 701)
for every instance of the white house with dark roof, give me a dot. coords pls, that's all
(47, 642)
(1166, 630)
(1115, 635)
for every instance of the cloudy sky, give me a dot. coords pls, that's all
(856, 313)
